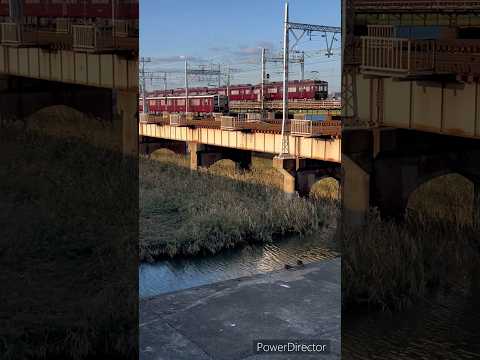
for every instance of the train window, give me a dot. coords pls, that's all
(196, 102)
(256, 91)
(181, 102)
(272, 91)
(292, 89)
(234, 92)
(247, 91)
(222, 92)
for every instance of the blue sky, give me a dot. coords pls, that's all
(230, 33)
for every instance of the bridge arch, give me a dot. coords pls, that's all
(447, 196)
(309, 178)
(397, 179)
(25, 97)
(327, 187)
(150, 145)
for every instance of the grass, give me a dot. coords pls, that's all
(68, 249)
(390, 265)
(193, 213)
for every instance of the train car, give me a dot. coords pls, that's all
(298, 90)
(202, 104)
(45, 13)
(244, 92)
(4, 10)
(301, 90)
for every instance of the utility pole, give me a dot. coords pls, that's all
(285, 137)
(186, 85)
(165, 88)
(228, 80)
(144, 60)
(302, 65)
(305, 29)
(262, 91)
(219, 76)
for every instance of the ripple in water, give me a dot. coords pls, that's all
(177, 274)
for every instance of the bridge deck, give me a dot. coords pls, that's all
(267, 139)
(68, 66)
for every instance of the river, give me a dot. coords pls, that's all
(177, 274)
(443, 327)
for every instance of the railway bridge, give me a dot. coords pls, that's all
(411, 100)
(314, 150)
(82, 67)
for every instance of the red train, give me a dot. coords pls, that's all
(44, 12)
(202, 104)
(301, 90)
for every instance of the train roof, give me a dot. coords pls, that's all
(182, 97)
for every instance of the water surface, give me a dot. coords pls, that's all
(177, 274)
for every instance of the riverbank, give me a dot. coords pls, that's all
(68, 241)
(184, 213)
(221, 320)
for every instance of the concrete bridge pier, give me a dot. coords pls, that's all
(288, 168)
(202, 155)
(299, 175)
(383, 167)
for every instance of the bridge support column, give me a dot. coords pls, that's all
(288, 168)
(125, 113)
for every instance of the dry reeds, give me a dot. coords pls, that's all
(391, 265)
(187, 213)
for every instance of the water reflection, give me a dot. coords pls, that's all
(177, 274)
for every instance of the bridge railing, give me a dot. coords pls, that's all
(402, 56)
(416, 4)
(302, 127)
(121, 28)
(381, 30)
(254, 116)
(311, 128)
(93, 38)
(233, 122)
(84, 37)
(10, 33)
(178, 120)
(62, 25)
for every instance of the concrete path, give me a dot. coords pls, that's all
(220, 321)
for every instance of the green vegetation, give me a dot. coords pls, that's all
(187, 213)
(68, 241)
(392, 265)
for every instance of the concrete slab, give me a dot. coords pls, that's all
(221, 321)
